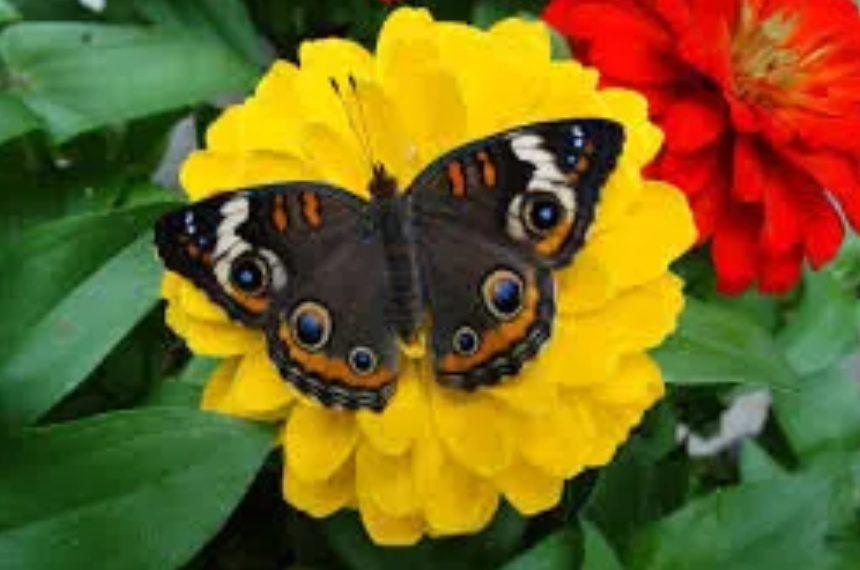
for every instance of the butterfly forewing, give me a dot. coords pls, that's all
(302, 262)
(492, 220)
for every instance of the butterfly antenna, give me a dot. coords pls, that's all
(360, 133)
(361, 118)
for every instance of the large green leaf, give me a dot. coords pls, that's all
(824, 415)
(634, 490)
(558, 551)
(716, 345)
(15, 118)
(8, 12)
(51, 259)
(597, 555)
(78, 77)
(53, 357)
(222, 20)
(822, 328)
(784, 522)
(142, 489)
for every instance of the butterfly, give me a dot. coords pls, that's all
(336, 282)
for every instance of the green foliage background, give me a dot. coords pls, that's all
(104, 460)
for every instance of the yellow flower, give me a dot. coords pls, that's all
(437, 461)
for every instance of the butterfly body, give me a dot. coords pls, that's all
(467, 253)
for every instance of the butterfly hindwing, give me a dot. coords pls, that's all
(493, 219)
(282, 258)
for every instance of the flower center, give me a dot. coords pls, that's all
(768, 70)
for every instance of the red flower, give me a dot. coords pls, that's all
(760, 103)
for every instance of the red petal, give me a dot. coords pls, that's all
(623, 38)
(837, 173)
(694, 122)
(781, 230)
(748, 170)
(780, 273)
(702, 176)
(735, 249)
(823, 230)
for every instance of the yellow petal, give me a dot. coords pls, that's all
(529, 39)
(388, 140)
(477, 429)
(636, 384)
(211, 338)
(585, 348)
(456, 501)
(336, 58)
(501, 82)
(585, 285)
(318, 441)
(559, 443)
(206, 173)
(323, 497)
(198, 305)
(581, 351)
(336, 159)
(531, 392)
(219, 383)
(631, 109)
(655, 231)
(393, 430)
(529, 489)
(388, 530)
(387, 481)
(171, 284)
(405, 40)
(259, 391)
(430, 97)
(224, 134)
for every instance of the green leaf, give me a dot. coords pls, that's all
(636, 489)
(52, 258)
(485, 13)
(58, 353)
(783, 522)
(598, 554)
(824, 415)
(716, 345)
(8, 12)
(486, 549)
(142, 489)
(79, 77)
(15, 118)
(51, 9)
(221, 20)
(558, 551)
(756, 465)
(846, 266)
(822, 329)
(185, 388)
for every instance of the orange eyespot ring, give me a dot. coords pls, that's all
(310, 325)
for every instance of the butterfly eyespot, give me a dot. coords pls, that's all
(466, 341)
(249, 274)
(362, 360)
(311, 325)
(503, 293)
(542, 212)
